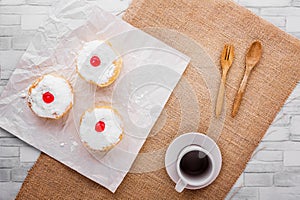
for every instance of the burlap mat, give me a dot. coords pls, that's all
(211, 24)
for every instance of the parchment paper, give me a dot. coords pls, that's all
(151, 70)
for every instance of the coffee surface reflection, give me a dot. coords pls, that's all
(194, 163)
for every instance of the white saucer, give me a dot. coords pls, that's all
(185, 140)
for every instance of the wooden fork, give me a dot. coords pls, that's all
(227, 57)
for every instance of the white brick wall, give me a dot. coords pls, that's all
(4, 175)
(21, 42)
(9, 20)
(19, 174)
(23, 9)
(262, 167)
(244, 193)
(272, 173)
(5, 43)
(291, 158)
(40, 2)
(279, 21)
(283, 193)
(286, 179)
(296, 2)
(9, 190)
(295, 128)
(283, 11)
(265, 3)
(292, 24)
(9, 151)
(258, 179)
(14, 2)
(268, 156)
(276, 133)
(29, 154)
(31, 22)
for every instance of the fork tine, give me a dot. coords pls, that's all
(226, 51)
(223, 55)
(231, 51)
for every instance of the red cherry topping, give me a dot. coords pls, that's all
(100, 126)
(48, 97)
(95, 61)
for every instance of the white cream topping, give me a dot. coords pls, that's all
(59, 88)
(109, 136)
(102, 73)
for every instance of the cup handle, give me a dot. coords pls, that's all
(180, 185)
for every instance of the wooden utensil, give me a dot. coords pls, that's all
(252, 58)
(226, 62)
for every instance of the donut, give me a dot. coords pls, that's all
(100, 128)
(98, 63)
(50, 96)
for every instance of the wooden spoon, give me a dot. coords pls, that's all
(252, 58)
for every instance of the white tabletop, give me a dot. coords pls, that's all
(272, 173)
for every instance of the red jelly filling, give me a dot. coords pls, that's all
(95, 61)
(48, 97)
(100, 126)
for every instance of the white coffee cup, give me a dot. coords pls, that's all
(194, 180)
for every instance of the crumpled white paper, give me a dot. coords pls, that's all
(151, 70)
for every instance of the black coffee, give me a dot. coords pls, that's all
(194, 163)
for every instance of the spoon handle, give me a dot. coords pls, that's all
(240, 93)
